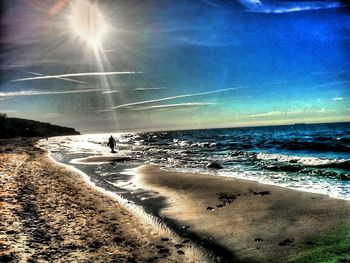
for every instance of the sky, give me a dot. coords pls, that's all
(127, 65)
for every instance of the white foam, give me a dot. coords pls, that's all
(307, 161)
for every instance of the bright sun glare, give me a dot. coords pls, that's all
(88, 22)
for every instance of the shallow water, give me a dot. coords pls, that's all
(312, 158)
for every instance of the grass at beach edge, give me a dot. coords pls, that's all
(333, 246)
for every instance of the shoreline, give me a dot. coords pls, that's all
(253, 221)
(58, 212)
(49, 213)
(115, 159)
(268, 184)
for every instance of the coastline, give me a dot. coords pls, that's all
(51, 211)
(48, 213)
(254, 222)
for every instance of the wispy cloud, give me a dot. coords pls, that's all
(292, 112)
(178, 105)
(272, 83)
(144, 89)
(173, 98)
(79, 75)
(37, 92)
(331, 72)
(110, 91)
(331, 83)
(105, 110)
(108, 50)
(273, 113)
(263, 6)
(323, 110)
(66, 79)
(211, 3)
(338, 98)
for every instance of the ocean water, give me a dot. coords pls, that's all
(312, 158)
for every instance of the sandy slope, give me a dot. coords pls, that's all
(48, 214)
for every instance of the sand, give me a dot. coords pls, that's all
(257, 222)
(49, 214)
(101, 159)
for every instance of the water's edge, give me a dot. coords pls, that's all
(163, 225)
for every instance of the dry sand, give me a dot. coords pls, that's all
(259, 222)
(48, 214)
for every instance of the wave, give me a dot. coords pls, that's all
(308, 171)
(333, 168)
(315, 146)
(305, 161)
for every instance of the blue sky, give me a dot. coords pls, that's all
(177, 64)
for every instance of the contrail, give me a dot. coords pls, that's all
(36, 92)
(144, 89)
(110, 91)
(79, 75)
(172, 98)
(338, 98)
(266, 114)
(67, 79)
(190, 104)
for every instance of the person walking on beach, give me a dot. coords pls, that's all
(111, 143)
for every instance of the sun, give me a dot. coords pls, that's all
(87, 22)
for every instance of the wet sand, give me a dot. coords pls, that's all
(101, 159)
(49, 214)
(250, 222)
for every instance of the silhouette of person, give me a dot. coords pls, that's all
(111, 143)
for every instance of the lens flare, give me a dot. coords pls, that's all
(88, 22)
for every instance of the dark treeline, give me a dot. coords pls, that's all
(15, 127)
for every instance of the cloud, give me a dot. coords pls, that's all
(26, 64)
(292, 112)
(331, 72)
(268, 6)
(108, 50)
(143, 89)
(211, 3)
(273, 113)
(66, 79)
(339, 98)
(172, 98)
(331, 84)
(323, 110)
(79, 75)
(36, 92)
(272, 83)
(105, 110)
(110, 91)
(51, 115)
(178, 105)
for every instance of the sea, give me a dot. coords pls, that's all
(305, 157)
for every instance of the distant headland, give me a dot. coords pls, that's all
(15, 127)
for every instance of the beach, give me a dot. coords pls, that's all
(49, 213)
(251, 222)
